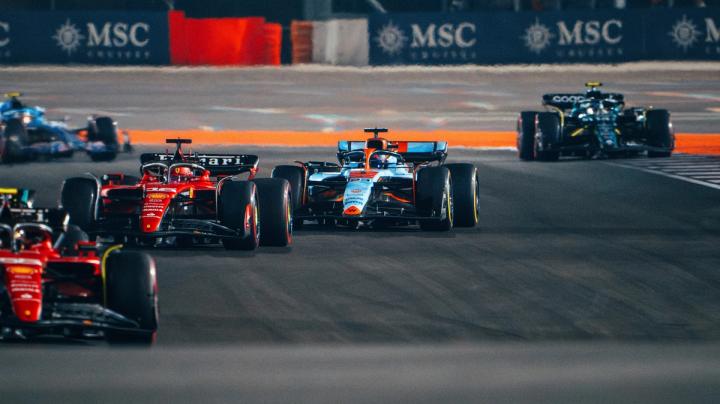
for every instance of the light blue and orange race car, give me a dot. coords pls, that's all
(25, 134)
(382, 183)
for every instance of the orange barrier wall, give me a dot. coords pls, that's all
(690, 143)
(223, 41)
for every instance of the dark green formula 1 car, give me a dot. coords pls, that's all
(593, 124)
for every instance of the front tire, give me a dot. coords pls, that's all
(434, 198)
(238, 210)
(79, 198)
(465, 193)
(14, 139)
(275, 211)
(131, 290)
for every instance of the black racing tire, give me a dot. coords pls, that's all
(659, 132)
(79, 198)
(526, 135)
(295, 175)
(275, 211)
(465, 194)
(14, 138)
(104, 129)
(238, 210)
(131, 290)
(548, 132)
(434, 198)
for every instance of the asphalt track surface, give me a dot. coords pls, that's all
(310, 98)
(585, 282)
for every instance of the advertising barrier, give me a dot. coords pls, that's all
(81, 37)
(223, 41)
(588, 36)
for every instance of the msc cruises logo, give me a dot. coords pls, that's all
(106, 40)
(687, 35)
(537, 37)
(4, 31)
(576, 39)
(684, 33)
(68, 37)
(391, 39)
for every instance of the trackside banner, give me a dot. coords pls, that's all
(82, 37)
(551, 37)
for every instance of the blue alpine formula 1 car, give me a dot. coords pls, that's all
(593, 124)
(25, 134)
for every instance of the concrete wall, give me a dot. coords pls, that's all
(341, 42)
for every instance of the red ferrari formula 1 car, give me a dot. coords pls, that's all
(55, 282)
(184, 199)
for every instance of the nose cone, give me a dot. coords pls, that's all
(149, 224)
(28, 310)
(24, 286)
(154, 207)
(357, 195)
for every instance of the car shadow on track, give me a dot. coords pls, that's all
(386, 232)
(210, 250)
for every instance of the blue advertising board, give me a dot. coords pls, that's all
(84, 37)
(690, 34)
(592, 36)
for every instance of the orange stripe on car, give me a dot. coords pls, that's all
(397, 198)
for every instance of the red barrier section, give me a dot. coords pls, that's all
(223, 41)
(178, 41)
(273, 43)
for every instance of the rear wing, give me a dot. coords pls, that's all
(217, 164)
(566, 101)
(411, 151)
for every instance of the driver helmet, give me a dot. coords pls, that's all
(15, 103)
(30, 236)
(593, 93)
(382, 160)
(182, 173)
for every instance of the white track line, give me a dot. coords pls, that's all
(707, 175)
(677, 177)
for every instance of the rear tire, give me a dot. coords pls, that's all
(131, 290)
(238, 210)
(14, 139)
(547, 135)
(104, 129)
(526, 135)
(465, 193)
(434, 198)
(275, 211)
(659, 132)
(79, 198)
